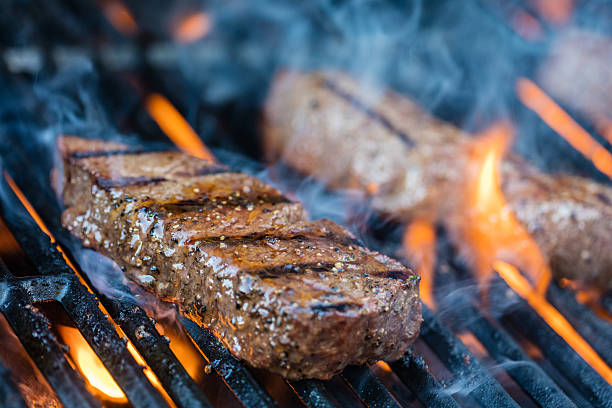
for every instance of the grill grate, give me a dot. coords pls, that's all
(563, 380)
(58, 282)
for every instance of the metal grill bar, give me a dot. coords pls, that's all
(499, 344)
(313, 393)
(231, 370)
(462, 363)
(412, 370)
(594, 330)
(503, 349)
(369, 388)
(83, 310)
(560, 354)
(9, 395)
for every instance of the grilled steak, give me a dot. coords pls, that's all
(300, 298)
(411, 164)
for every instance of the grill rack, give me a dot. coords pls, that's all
(58, 282)
(540, 384)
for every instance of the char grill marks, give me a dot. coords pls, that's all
(371, 113)
(280, 291)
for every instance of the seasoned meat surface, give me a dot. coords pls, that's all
(300, 298)
(411, 164)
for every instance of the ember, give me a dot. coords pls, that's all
(486, 226)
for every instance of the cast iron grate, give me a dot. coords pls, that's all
(56, 281)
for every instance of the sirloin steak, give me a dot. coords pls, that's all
(300, 298)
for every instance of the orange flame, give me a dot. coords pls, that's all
(90, 365)
(192, 28)
(183, 348)
(551, 113)
(554, 319)
(473, 344)
(383, 366)
(488, 227)
(493, 235)
(120, 17)
(419, 246)
(176, 127)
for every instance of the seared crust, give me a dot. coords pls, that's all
(300, 298)
(410, 165)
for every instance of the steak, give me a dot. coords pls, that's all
(412, 165)
(300, 298)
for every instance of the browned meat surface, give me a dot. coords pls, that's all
(300, 298)
(411, 164)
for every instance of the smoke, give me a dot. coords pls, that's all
(454, 57)
(64, 103)
(104, 274)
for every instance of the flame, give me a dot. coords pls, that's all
(176, 127)
(554, 319)
(89, 364)
(183, 348)
(551, 113)
(419, 245)
(555, 11)
(487, 225)
(120, 17)
(383, 366)
(192, 28)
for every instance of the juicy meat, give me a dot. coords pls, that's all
(300, 298)
(413, 165)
